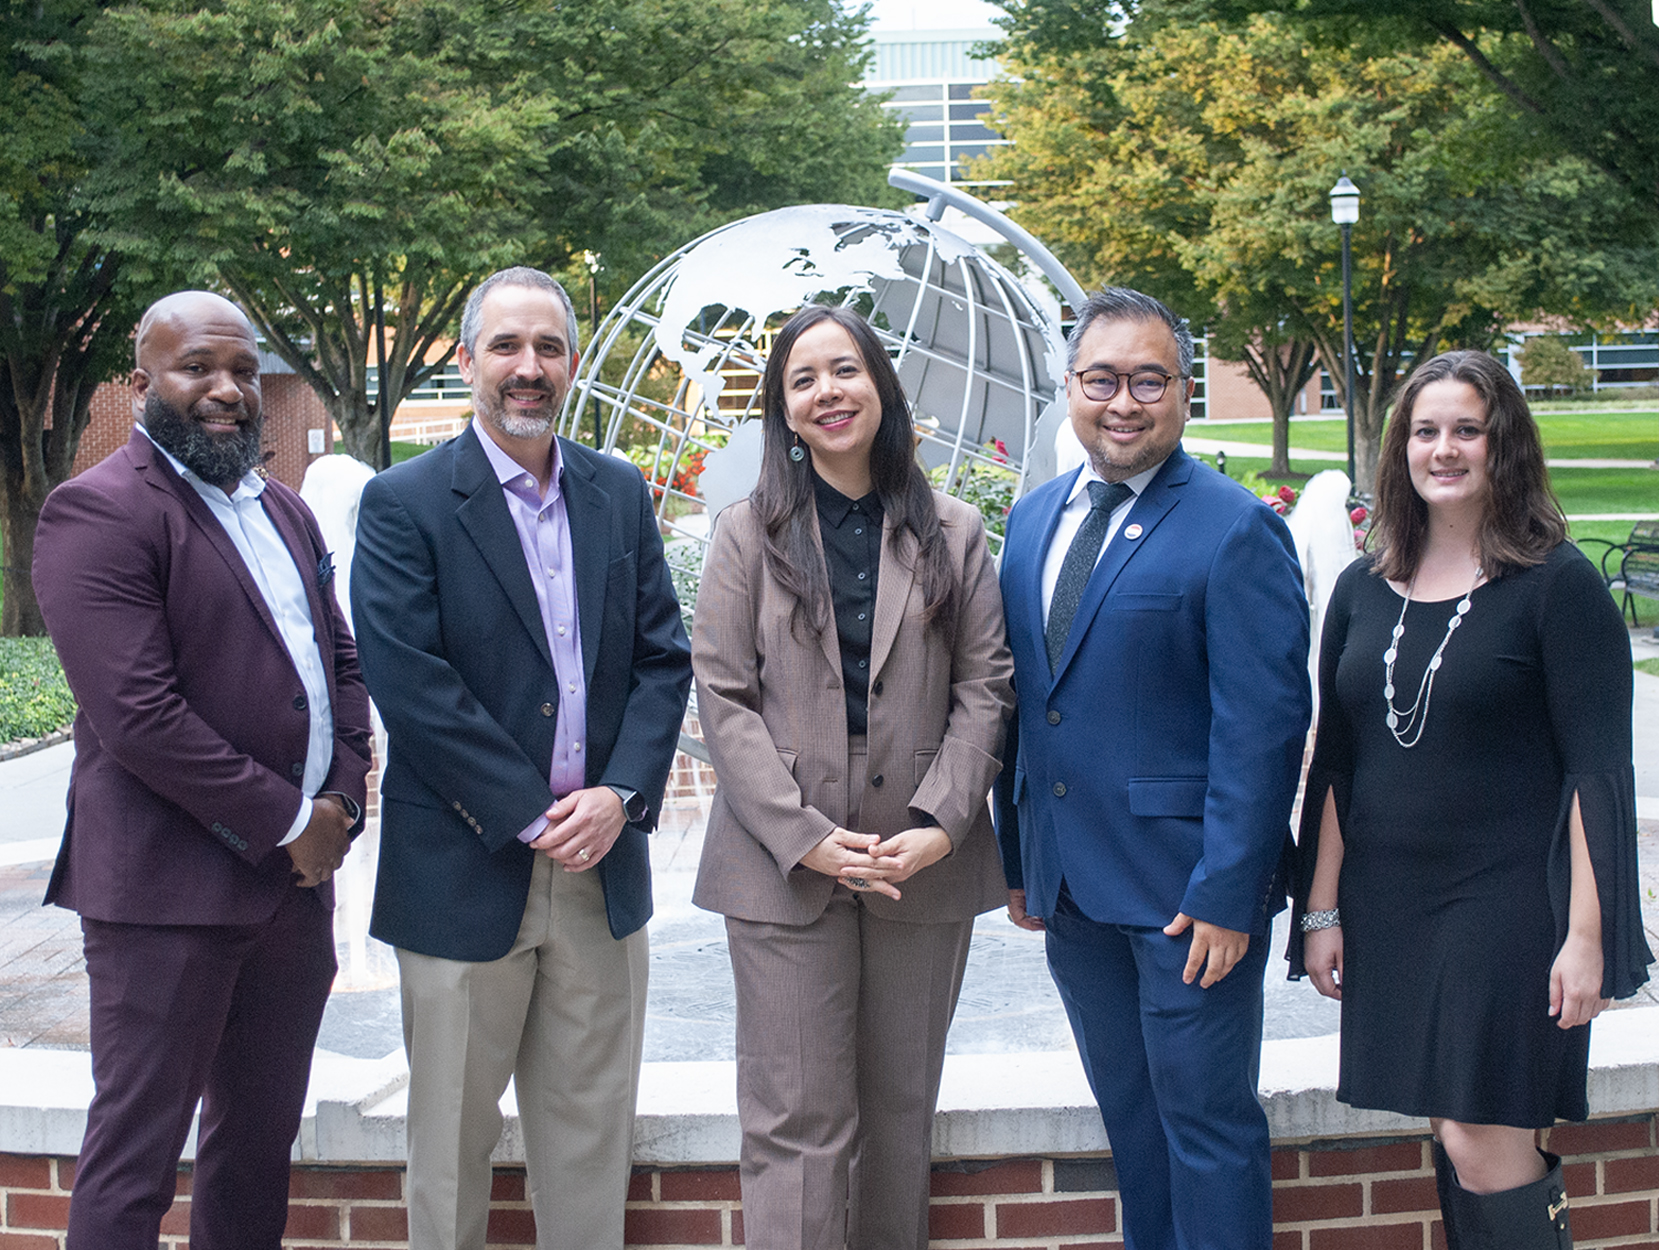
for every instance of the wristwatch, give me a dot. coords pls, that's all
(633, 803)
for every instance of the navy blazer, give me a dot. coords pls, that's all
(1156, 768)
(192, 732)
(456, 660)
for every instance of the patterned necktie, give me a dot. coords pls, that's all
(1079, 563)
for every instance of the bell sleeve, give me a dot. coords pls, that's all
(1589, 686)
(1332, 769)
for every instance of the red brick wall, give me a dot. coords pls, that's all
(1231, 395)
(291, 408)
(1375, 1194)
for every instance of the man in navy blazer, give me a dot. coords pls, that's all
(1160, 638)
(221, 746)
(521, 638)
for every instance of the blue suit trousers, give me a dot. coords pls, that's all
(1174, 1068)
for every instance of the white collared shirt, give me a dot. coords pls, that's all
(1071, 520)
(282, 585)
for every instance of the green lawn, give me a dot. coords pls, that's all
(1567, 435)
(407, 451)
(1580, 490)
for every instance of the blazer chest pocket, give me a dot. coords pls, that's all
(1143, 601)
(1168, 796)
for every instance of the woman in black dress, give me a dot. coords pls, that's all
(1468, 840)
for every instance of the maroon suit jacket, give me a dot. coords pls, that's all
(191, 736)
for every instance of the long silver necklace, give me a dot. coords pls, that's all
(1407, 723)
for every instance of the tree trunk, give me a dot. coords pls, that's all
(361, 432)
(1281, 441)
(1368, 427)
(19, 512)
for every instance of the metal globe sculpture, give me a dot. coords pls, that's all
(672, 376)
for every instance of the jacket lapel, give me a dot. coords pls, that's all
(1148, 511)
(829, 639)
(588, 509)
(1032, 554)
(893, 582)
(483, 514)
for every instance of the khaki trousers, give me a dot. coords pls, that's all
(563, 1014)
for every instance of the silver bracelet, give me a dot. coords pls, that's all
(1313, 920)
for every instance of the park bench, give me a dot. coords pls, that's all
(1632, 567)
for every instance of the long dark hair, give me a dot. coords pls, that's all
(1522, 522)
(785, 502)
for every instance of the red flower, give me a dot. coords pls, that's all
(1288, 495)
(1002, 450)
(1358, 515)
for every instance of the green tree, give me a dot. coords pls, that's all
(1584, 72)
(1193, 159)
(1548, 361)
(351, 170)
(67, 301)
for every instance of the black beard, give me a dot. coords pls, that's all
(215, 458)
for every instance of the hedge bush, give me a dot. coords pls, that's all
(34, 697)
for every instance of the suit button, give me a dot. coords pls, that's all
(298, 770)
(1059, 789)
(547, 709)
(876, 689)
(299, 703)
(877, 780)
(1053, 717)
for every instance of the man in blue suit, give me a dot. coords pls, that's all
(521, 638)
(1160, 637)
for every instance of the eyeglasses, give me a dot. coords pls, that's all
(1146, 386)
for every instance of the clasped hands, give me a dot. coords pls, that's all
(581, 828)
(879, 864)
(321, 846)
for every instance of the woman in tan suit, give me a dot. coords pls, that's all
(852, 679)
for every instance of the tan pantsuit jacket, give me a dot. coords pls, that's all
(774, 716)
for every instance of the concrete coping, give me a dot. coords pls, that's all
(990, 1106)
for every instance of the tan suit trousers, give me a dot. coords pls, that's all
(563, 1014)
(841, 1028)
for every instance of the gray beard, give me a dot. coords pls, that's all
(519, 427)
(215, 459)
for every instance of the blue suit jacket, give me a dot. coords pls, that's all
(456, 659)
(1156, 767)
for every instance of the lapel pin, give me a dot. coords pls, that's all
(1132, 532)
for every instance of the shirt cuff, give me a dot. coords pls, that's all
(533, 830)
(300, 822)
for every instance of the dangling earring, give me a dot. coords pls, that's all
(797, 453)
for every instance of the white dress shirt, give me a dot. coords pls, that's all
(282, 585)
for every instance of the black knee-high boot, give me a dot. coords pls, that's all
(1529, 1217)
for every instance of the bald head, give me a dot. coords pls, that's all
(183, 309)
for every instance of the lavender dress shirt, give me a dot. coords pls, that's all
(543, 527)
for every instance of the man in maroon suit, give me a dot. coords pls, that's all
(220, 754)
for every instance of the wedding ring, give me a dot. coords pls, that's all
(858, 883)
(584, 854)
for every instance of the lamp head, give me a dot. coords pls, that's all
(1344, 202)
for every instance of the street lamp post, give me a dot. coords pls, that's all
(1345, 212)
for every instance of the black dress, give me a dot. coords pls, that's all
(1455, 875)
